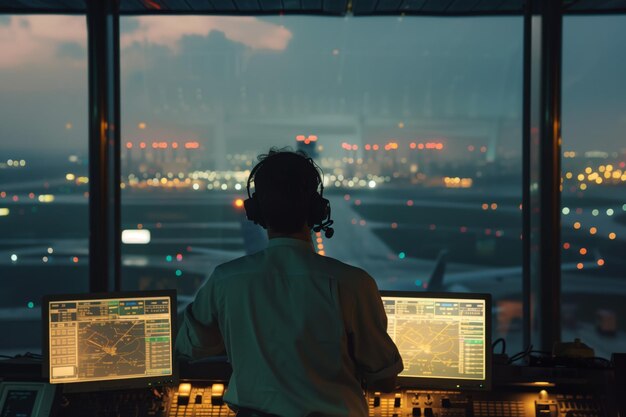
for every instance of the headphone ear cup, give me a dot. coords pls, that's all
(253, 210)
(318, 210)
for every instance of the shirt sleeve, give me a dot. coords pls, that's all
(375, 354)
(199, 335)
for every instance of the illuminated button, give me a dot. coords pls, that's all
(184, 390)
(217, 393)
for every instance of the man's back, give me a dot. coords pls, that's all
(300, 330)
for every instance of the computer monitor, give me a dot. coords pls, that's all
(444, 338)
(111, 340)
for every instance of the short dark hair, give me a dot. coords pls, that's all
(284, 185)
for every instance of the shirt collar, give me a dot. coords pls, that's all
(288, 241)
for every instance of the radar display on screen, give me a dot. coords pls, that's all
(439, 337)
(109, 339)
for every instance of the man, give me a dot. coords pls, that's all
(302, 331)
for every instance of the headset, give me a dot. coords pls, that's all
(319, 209)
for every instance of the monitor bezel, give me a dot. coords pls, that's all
(453, 384)
(118, 384)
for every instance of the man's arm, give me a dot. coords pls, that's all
(377, 358)
(199, 335)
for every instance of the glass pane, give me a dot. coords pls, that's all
(43, 170)
(416, 123)
(594, 182)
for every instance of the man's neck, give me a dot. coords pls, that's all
(304, 234)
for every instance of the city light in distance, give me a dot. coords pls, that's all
(306, 139)
(46, 198)
(136, 236)
(456, 182)
(14, 257)
(141, 125)
(4, 211)
(70, 177)
(239, 203)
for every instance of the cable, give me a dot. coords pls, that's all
(499, 340)
(521, 354)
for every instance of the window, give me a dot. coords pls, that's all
(416, 123)
(43, 169)
(594, 182)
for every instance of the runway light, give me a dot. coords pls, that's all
(179, 257)
(612, 236)
(136, 236)
(418, 282)
(565, 210)
(46, 198)
(600, 262)
(583, 251)
(577, 225)
(580, 265)
(4, 211)
(595, 212)
(371, 184)
(239, 203)
(75, 259)
(402, 255)
(179, 273)
(141, 125)
(566, 245)
(70, 176)
(593, 230)
(14, 257)
(394, 225)
(50, 250)
(31, 304)
(409, 203)
(610, 212)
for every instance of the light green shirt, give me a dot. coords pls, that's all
(300, 330)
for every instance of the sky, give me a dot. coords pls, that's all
(177, 72)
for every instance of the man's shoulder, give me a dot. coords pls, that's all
(243, 264)
(343, 270)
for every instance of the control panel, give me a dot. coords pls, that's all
(531, 402)
(206, 399)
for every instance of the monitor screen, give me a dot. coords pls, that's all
(110, 337)
(444, 339)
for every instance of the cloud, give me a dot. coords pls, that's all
(168, 31)
(71, 50)
(29, 40)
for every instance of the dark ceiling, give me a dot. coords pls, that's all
(338, 7)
